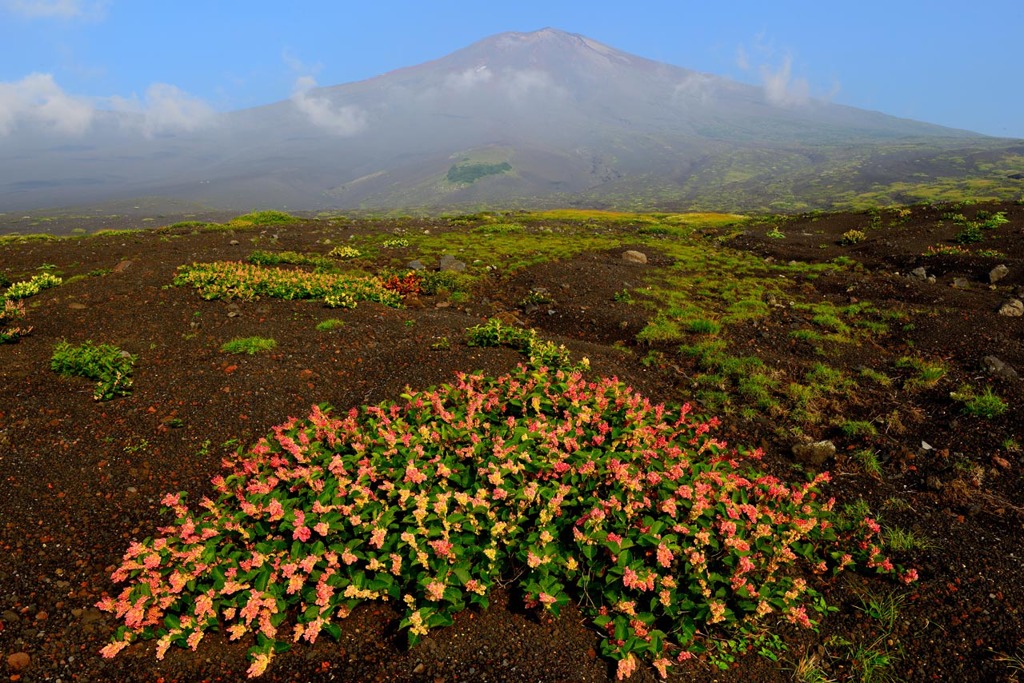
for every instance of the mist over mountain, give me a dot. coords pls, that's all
(517, 119)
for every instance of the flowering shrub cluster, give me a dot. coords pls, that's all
(395, 243)
(576, 490)
(27, 288)
(10, 313)
(853, 237)
(946, 250)
(344, 253)
(541, 352)
(227, 280)
(410, 283)
(12, 308)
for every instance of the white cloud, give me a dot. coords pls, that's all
(56, 9)
(742, 61)
(37, 99)
(166, 109)
(780, 88)
(520, 85)
(697, 88)
(297, 66)
(344, 120)
(468, 79)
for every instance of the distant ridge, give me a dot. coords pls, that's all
(518, 120)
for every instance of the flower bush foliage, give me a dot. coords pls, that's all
(228, 280)
(108, 365)
(27, 288)
(576, 490)
(12, 312)
(541, 352)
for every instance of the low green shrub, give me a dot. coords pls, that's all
(273, 258)
(261, 218)
(987, 404)
(27, 288)
(499, 228)
(669, 542)
(344, 253)
(249, 345)
(230, 280)
(445, 281)
(970, 234)
(330, 324)
(108, 365)
(853, 237)
(992, 221)
(541, 353)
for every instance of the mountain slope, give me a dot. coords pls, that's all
(516, 119)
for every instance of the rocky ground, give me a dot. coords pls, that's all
(81, 479)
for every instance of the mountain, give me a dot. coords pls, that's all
(517, 119)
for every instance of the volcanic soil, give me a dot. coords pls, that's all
(82, 479)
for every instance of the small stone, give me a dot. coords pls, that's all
(994, 366)
(961, 283)
(998, 273)
(415, 265)
(233, 243)
(920, 273)
(442, 304)
(420, 668)
(1014, 308)
(77, 306)
(122, 266)
(814, 454)
(632, 256)
(19, 661)
(450, 263)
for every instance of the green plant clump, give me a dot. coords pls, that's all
(330, 324)
(499, 228)
(970, 234)
(27, 288)
(273, 258)
(249, 345)
(853, 237)
(228, 280)
(540, 352)
(471, 172)
(572, 490)
(261, 218)
(987, 405)
(108, 365)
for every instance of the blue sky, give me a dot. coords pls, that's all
(949, 62)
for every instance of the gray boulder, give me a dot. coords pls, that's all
(1014, 308)
(814, 454)
(449, 262)
(632, 256)
(998, 368)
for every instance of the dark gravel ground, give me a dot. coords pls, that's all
(81, 479)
